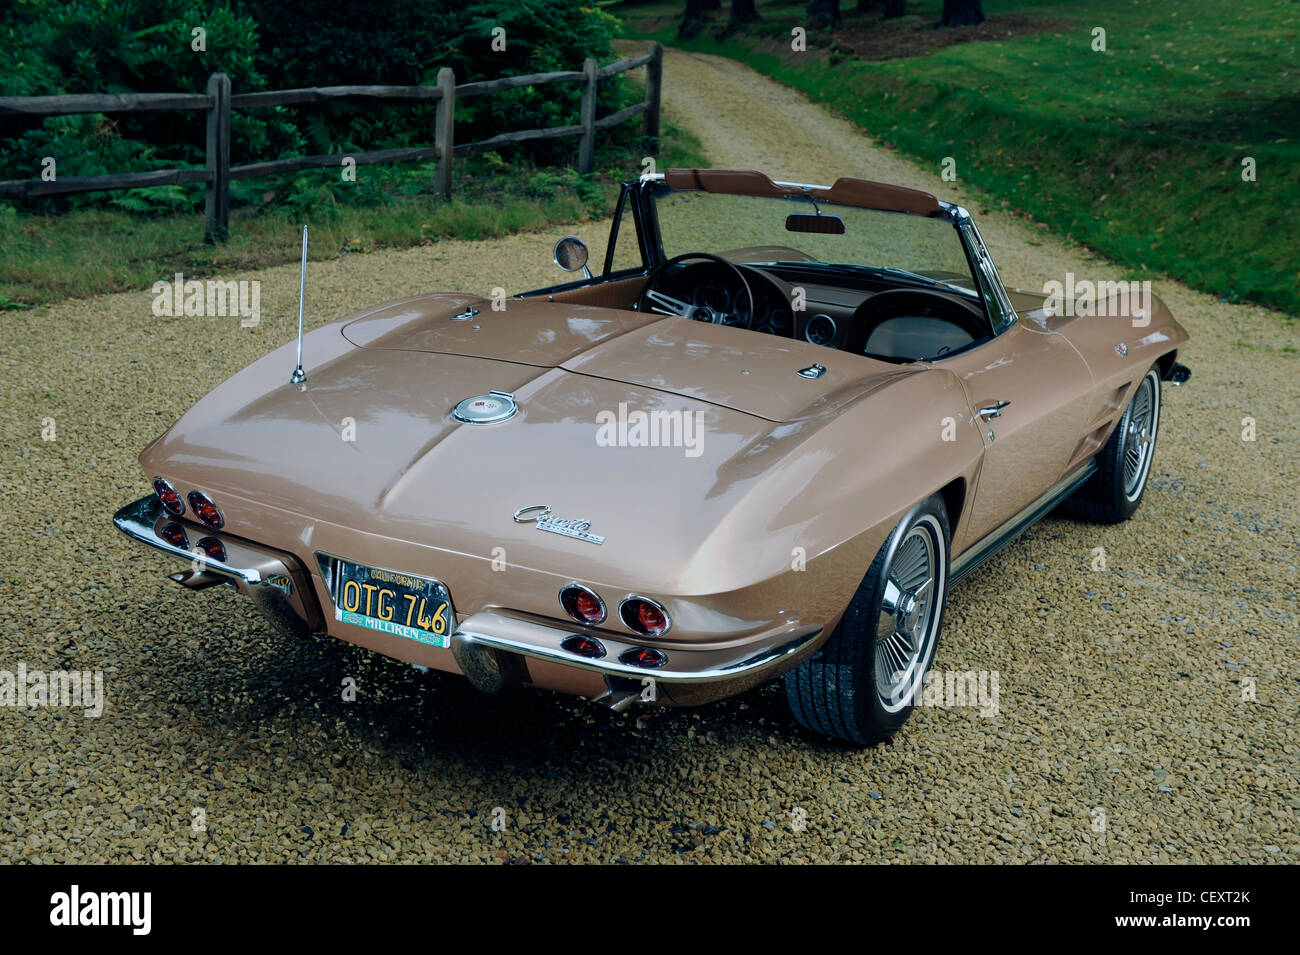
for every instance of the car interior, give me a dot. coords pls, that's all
(877, 317)
(883, 313)
(873, 317)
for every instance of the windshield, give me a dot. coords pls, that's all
(801, 231)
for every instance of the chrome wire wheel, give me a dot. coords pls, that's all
(1140, 426)
(861, 685)
(907, 623)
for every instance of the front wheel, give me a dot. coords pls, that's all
(1112, 494)
(863, 683)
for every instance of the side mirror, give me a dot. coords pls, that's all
(571, 255)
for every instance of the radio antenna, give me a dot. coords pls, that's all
(299, 376)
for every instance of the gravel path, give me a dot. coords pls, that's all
(1121, 690)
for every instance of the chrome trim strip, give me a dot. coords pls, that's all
(474, 628)
(137, 519)
(1001, 536)
(970, 235)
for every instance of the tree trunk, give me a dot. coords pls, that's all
(693, 19)
(961, 13)
(893, 8)
(743, 11)
(823, 13)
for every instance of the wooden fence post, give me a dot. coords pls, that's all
(654, 78)
(587, 145)
(217, 206)
(445, 123)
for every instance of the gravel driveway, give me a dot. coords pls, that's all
(1121, 734)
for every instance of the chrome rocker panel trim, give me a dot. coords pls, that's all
(992, 542)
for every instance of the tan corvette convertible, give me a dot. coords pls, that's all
(765, 439)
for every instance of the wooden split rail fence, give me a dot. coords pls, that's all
(217, 173)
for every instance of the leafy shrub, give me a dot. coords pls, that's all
(108, 46)
(117, 46)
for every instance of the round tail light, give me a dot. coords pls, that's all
(642, 615)
(205, 510)
(647, 658)
(168, 496)
(174, 534)
(584, 647)
(582, 604)
(213, 548)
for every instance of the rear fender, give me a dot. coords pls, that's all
(829, 507)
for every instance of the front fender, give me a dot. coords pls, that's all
(1127, 334)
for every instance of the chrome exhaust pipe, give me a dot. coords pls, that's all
(617, 699)
(198, 579)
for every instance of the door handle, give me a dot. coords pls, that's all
(994, 410)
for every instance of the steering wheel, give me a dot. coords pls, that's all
(652, 300)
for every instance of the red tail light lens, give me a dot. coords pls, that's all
(583, 605)
(168, 496)
(174, 534)
(584, 647)
(213, 548)
(205, 510)
(647, 658)
(644, 616)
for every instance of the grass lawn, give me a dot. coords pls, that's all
(1136, 151)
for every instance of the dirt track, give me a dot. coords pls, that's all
(1121, 689)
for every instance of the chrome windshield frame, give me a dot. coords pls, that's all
(992, 291)
(985, 268)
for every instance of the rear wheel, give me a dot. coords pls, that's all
(1112, 494)
(862, 684)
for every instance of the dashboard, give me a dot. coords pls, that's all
(866, 316)
(766, 302)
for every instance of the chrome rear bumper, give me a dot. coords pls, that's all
(687, 676)
(275, 582)
(490, 648)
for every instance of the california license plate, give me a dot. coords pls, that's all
(416, 608)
